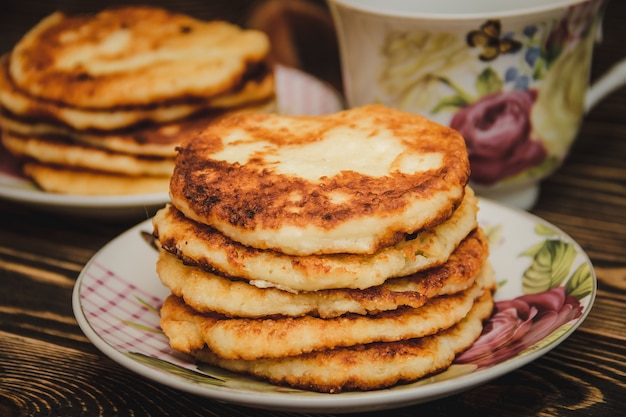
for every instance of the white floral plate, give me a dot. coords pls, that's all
(296, 91)
(546, 289)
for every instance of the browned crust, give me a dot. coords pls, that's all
(365, 367)
(151, 26)
(17, 104)
(457, 274)
(204, 245)
(253, 196)
(269, 337)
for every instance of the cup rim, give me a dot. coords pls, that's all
(380, 9)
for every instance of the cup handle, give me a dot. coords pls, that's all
(610, 81)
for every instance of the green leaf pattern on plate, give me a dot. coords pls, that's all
(552, 261)
(580, 284)
(188, 374)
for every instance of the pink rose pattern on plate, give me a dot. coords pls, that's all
(520, 323)
(546, 306)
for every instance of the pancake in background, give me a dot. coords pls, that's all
(60, 180)
(108, 97)
(204, 291)
(146, 139)
(136, 55)
(56, 150)
(199, 244)
(18, 104)
(365, 367)
(280, 337)
(353, 181)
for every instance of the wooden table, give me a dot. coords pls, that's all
(49, 368)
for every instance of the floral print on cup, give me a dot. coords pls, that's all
(498, 132)
(521, 106)
(488, 37)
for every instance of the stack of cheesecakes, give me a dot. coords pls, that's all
(329, 253)
(95, 104)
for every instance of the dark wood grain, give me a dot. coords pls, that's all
(49, 368)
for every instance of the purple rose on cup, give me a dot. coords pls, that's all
(519, 323)
(497, 130)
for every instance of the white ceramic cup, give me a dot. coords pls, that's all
(511, 77)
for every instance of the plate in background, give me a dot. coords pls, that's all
(297, 93)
